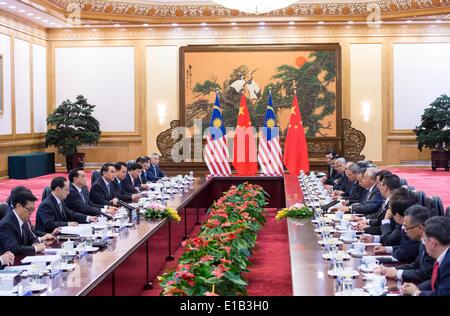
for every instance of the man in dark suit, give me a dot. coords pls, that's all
(129, 195)
(371, 224)
(78, 198)
(38, 233)
(129, 183)
(372, 200)
(155, 171)
(394, 239)
(143, 177)
(419, 270)
(102, 192)
(6, 259)
(330, 157)
(437, 243)
(53, 212)
(15, 233)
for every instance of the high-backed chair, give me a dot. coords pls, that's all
(403, 181)
(429, 204)
(3, 209)
(438, 206)
(421, 198)
(129, 162)
(46, 193)
(95, 175)
(447, 211)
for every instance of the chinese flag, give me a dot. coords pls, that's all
(244, 158)
(295, 146)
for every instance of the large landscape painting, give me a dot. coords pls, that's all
(313, 71)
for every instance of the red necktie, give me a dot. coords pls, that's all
(435, 274)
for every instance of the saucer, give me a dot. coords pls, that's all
(357, 254)
(334, 240)
(335, 274)
(330, 256)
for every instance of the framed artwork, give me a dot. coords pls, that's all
(312, 71)
(1, 85)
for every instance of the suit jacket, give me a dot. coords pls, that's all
(37, 233)
(375, 220)
(420, 269)
(332, 175)
(99, 194)
(155, 173)
(343, 184)
(391, 234)
(119, 192)
(370, 203)
(75, 202)
(49, 215)
(11, 239)
(442, 284)
(357, 194)
(408, 249)
(129, 185)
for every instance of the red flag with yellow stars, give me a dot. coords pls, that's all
(244, 159)
(295, 146)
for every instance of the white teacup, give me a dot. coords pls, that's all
(370, 261)
(359, 247)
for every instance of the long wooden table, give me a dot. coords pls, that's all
(308, 268)
(133, 259)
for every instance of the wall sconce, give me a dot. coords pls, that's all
(162, 109)
(366, 111)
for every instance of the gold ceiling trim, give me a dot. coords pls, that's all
(191, 11)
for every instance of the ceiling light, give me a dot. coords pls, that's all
(52, 23)
(2, 2)
(174, 24)
(45, 21)
(38, 18)
(291, 23)
(409, 21)
(117, 24)
(255, 6)
(12, 7)
(145, 24)
(438, 21)
(350, 22)
(233, 23)
(321, 22)
(262, 23)
(204, 24)
(22, 11)
(30, 14)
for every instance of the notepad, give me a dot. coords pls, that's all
(33, 259)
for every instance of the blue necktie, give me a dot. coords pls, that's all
(109, 191)
(156, 174)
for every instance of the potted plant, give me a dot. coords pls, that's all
(72, 125)
(434, 132)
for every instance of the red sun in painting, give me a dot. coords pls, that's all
(300, 61)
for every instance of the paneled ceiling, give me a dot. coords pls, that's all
(66, 13)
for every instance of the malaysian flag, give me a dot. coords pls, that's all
(216, 150)
(269, 150)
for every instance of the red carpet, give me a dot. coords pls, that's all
(270, 272)
(431, 182)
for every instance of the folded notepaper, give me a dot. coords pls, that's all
(80, 230)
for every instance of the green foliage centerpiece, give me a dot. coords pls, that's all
(214, 260)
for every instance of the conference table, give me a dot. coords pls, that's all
(132, 260)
